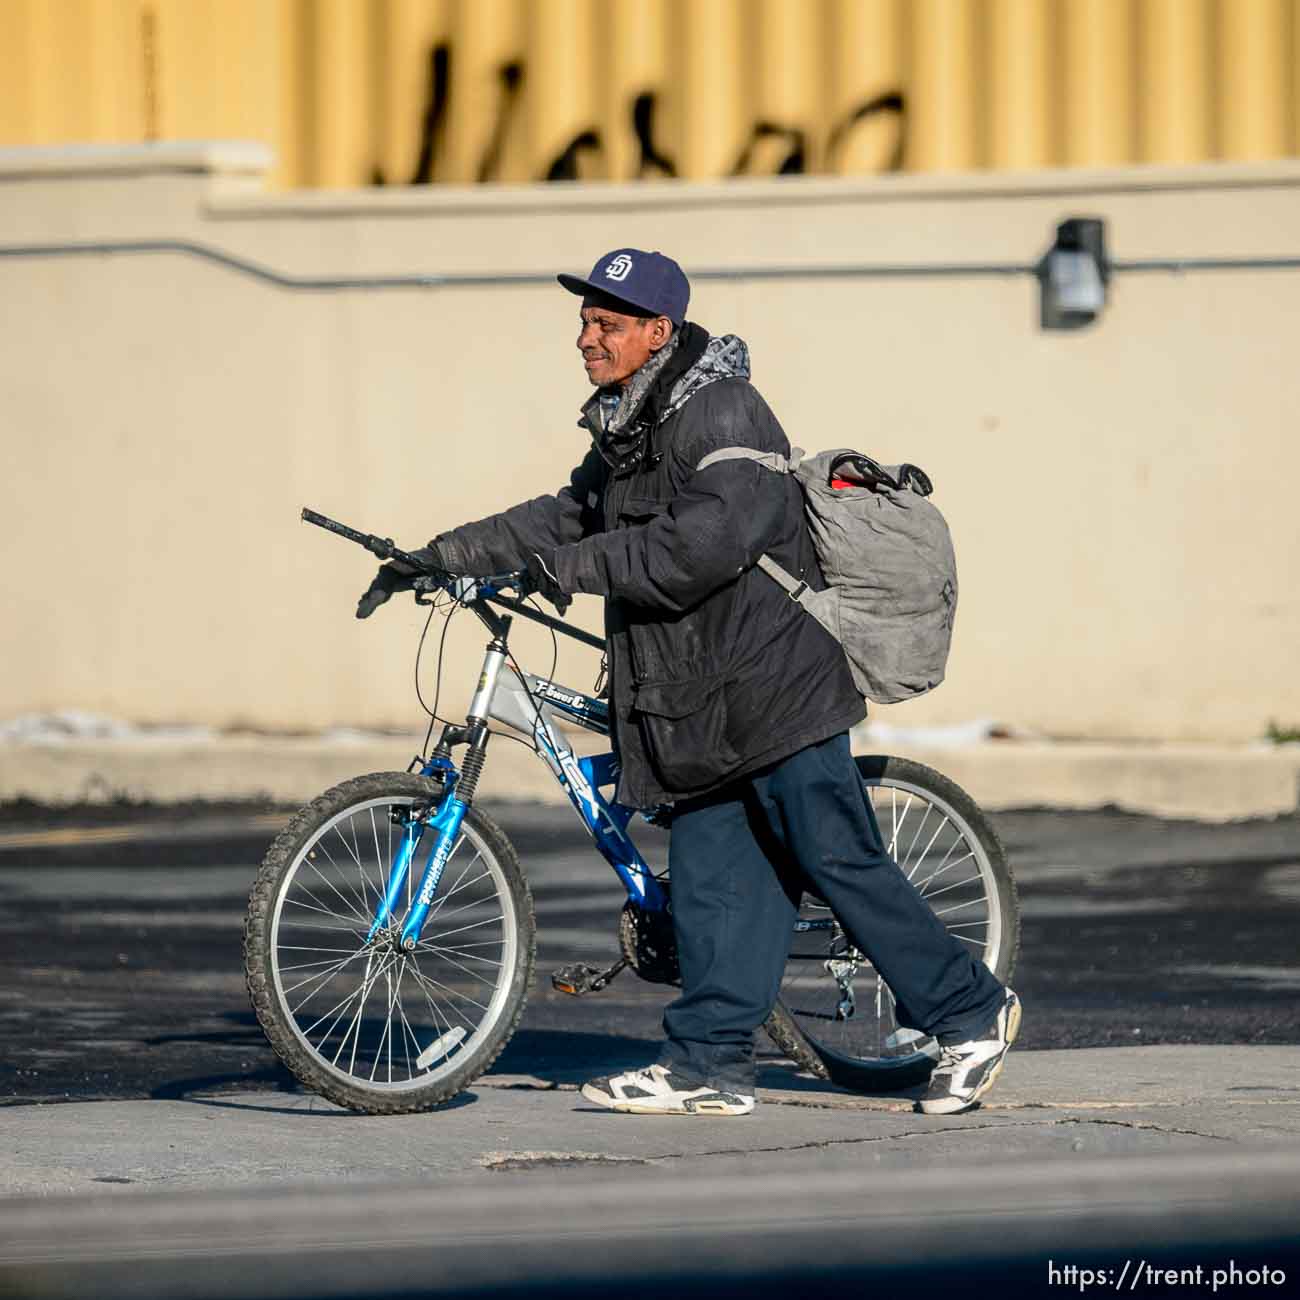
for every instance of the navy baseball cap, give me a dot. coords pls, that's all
(648, 282)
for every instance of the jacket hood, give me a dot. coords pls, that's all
(724, 357)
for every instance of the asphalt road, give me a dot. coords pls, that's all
(122, 973)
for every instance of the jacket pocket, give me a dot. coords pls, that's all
(684, 725)
(641, 510)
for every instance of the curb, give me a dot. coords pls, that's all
(1202, 782)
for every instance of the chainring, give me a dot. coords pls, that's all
(648, 943)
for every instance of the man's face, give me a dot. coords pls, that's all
(614, 346)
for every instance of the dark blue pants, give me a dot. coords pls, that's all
(738, 859)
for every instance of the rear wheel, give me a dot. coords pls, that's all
(362, 1021)
(836, 1015)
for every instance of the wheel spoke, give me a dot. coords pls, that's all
(367, 885)
(945, 866)
(451, 961)
(379, 857)
(331, 969)
(957, 884)
(957, 907)
(362, 906)
(427, 988)
(441, 902)
(446, 988)
(907, 857)
(474, 925)
(469, 956)
(938, 830)
(323, 977)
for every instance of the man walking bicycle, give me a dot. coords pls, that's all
(727, 701)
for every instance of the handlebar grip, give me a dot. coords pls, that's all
(383, 547)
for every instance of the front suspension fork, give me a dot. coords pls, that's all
(447, 824)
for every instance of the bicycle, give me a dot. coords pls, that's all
(337, 921)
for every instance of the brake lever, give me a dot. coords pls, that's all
(465, 590)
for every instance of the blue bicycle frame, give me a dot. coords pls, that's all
(529, 705)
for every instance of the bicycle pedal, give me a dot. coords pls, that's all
(580, 978)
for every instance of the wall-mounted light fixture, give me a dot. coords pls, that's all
(1073, 274)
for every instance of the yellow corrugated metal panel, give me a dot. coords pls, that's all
(1253, 54)
(867, 107)
(1175, 84)
(484, 119)
(16, 73)
(1099, 40)
(342, 93)
(632, 63)
(1294, 15)
(711, 51)
(559, 91)
(291, 133)
(786, 100)
(114, 54)
(943, 48)
(187, 36)
(410, 71)
(60, 83)
(1020, 85)
(350, 91)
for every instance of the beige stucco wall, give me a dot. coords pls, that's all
(1124, 499)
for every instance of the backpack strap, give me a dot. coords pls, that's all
(794, 587)
(772, 460)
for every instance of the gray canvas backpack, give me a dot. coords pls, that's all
(887, 556)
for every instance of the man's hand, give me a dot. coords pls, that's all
(394, 576)
(542, 580)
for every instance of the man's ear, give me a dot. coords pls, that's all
(661, 330)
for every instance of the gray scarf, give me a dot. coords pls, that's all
(618, 408)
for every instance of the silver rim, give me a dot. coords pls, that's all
(371, 1015)
(832, 991)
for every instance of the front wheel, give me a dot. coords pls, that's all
(835, 1016)
(362, 1021)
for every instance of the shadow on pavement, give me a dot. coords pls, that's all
(306, 1103)
(562, 1056)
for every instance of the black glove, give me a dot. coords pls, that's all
(542, 580)
(395, 576)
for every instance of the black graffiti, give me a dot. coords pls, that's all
(510, 77)
(795, 161)
(890, 102)
(651, 160)
(435, 113)
(566, 165)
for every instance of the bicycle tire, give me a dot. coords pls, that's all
(807, 1023)
(302, 864)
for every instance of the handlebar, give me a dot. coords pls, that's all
(380, 546)
(474, 590)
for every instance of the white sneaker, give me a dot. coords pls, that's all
(966, 1071)
(656, 1091)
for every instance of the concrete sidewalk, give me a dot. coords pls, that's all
(1087, 1168)
(1058, 1104)
(1199, 781)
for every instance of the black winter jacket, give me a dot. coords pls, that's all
(714, 671)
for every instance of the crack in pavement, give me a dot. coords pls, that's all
(514, 1161)
(1151, 1128)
